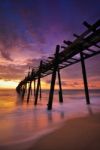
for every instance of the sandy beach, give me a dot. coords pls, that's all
(72, 125)
(77, 134)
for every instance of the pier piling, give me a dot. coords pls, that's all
(38, 84)
(53, 79)
(29, 91)
(60, 88)
(85, 79)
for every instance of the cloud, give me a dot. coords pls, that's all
(19, 71)
(18, 30)
(29, 31)
(33, 62)
(6, 55)
(12, 72)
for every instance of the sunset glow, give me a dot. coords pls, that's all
(30, 32)
(8, 84)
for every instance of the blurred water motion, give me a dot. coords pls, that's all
(21, 121)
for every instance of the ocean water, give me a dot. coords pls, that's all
(22, 123)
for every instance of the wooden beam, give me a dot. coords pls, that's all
(86, 24)
(75, 35)
(91, 50)
(75, 59)
(63, 47)
(97, 45)
(67, 42)
(50, 57)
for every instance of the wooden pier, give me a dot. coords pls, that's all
(64, 56)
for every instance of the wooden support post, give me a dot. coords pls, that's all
(53, 78)
(29, 90)
(60, 88)
(85, 79)
(37, 91)
(38, 84)
(23, 91)
(26, 88)
(34, 88)
(40, 90)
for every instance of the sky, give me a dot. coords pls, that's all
(30, 31)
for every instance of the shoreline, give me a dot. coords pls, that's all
(78, 133)
(61, 131)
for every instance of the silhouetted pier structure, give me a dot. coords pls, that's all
(86, 45)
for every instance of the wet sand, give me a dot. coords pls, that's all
(77, 134)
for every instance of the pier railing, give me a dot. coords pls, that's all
(71, 53)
